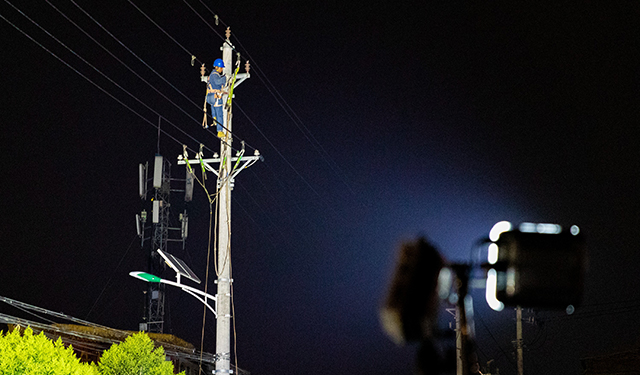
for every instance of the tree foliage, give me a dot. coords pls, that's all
(23, 353)
(26, 353)
(136, 355)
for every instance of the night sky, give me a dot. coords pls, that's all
(378, 122)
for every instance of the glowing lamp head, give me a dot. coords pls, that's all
(145, 276)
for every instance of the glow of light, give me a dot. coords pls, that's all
(444, 282)
(511, 281)
(490, 291)
(498, 228)
(575, 230)
(570, 309)
(493, 253)
(527, 227)
(548, 228)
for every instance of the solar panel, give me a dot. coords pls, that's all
(179, 266)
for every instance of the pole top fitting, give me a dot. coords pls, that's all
(228, 33)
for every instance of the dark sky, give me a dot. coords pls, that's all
(397, 119)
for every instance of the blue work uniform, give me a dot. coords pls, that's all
(216, 84)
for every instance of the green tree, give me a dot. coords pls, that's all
(29, 354)
(135, 356)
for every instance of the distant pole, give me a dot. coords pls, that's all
(459, 367)
(519, 343)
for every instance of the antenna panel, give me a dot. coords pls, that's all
(188, 187)
(142, 181)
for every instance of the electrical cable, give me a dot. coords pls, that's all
(278, 151)
(85, 77)
(120, 61)
(94, 68)
(34, 314)
(147, 65)
(111, 277)
(172, 38)
(142, 61)
(203, 20)
(167, 34)
(494, 339)
(279, 99)
(294, 116)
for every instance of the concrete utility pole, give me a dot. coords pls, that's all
(229, 167)
(223, 324)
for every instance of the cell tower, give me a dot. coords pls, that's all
(161, 236)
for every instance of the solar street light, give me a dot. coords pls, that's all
(182, 270)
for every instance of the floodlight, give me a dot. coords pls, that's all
(537, 265)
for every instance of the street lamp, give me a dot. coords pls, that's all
(181, 269)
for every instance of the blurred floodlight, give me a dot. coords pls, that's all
(490, 291)
(575, 230)
(499, 227)
(537, 265)
(445, 282)
(493, 253)
(548, 228)
(527, 227)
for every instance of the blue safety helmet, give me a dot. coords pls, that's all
(218, 63)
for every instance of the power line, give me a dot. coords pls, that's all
(237, 106)
(203, 20)
(87, 78)
(94, 68)
(167, 34)
(120, 61)
(111, 277)
(494, 339)
(172, 38)
(278, 151)
(283, 104)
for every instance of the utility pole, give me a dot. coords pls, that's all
(229, 167)
(519, 343)
(459, 368)
(223, 323)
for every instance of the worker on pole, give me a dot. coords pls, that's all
(216, 88)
